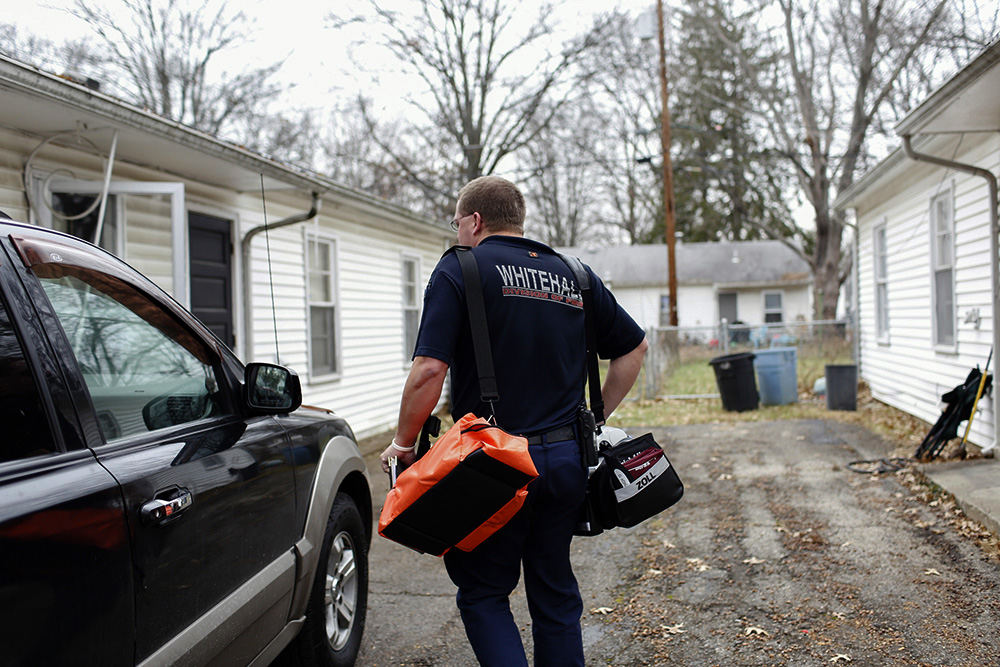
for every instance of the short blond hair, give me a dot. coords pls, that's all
(497, 200)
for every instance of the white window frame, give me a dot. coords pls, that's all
(880, 269)
(312, 236)
(764, 308)
(937, 266)
(43, 187)
(405, 307)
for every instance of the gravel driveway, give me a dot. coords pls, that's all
(776, 555)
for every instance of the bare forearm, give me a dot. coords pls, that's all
(420, 394)
(622, 374)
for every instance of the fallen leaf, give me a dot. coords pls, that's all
(602, 610)
(931, 570)
(674, 629)
(753, 561)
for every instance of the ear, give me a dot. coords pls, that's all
(477, 223)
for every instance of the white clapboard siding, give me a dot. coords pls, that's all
(369, 271)
(148, 239)
(907, 371)
(373, 364)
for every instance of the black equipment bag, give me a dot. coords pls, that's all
(632, 480)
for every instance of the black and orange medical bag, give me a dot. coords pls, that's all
(474, 479)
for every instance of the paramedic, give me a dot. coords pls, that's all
(536, 325)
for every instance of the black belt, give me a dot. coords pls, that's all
(555, 435)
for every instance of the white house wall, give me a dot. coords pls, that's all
(370, 318)
(642, 303)
(369, 273)
(906, 370)
(698, 305)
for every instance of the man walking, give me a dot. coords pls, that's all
(538, 344)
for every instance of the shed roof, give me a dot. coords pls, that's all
(729, 263)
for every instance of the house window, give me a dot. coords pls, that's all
(411, 305)
(881, 283)
(773, 311)
(322, 296)
(77, 214)
(942, 268)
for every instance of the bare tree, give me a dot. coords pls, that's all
(165, 55)
(477, 101)
(622, 96)
(560, 186)
(839, 69)
(72, 59)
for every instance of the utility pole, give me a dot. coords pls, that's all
(668, 170)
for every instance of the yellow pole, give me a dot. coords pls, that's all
(979, 393)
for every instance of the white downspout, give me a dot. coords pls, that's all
(991, 181)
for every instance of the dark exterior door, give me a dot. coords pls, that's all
(211, 258)
(727, 307)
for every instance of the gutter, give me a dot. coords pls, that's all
(247, 282)
(991, 182)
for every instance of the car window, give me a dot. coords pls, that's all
(25, 426)
(144, 372)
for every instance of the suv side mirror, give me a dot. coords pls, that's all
(272, 389)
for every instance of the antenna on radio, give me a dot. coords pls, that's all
(270, 275)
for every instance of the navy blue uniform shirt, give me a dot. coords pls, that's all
(535, 317)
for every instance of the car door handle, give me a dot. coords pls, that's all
(162, 510)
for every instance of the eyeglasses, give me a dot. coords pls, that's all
(454, 223)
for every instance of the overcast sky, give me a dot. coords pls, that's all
(318, 61)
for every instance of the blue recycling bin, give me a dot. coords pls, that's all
(776, 375)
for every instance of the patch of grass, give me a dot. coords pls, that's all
(904, 431)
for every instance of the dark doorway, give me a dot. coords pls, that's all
(211, 258)
(727, 307)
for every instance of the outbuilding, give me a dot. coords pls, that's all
(753, 282)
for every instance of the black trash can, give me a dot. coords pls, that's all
(735, 377)
(841, 387)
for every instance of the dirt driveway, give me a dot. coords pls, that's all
(777, 555)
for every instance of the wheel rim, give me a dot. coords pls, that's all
(341, 590)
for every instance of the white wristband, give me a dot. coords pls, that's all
(401, 448)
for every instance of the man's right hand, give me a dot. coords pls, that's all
(406, 458)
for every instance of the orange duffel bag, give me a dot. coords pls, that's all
(470, 483)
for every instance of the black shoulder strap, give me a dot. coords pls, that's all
(593, 372)
(477, 321)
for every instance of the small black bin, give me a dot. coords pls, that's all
(735, 377)
(841, 387)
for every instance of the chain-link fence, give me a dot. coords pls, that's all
(677, 364)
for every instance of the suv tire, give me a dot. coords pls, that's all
(335, 616)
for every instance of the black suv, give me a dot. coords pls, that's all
(160, 502)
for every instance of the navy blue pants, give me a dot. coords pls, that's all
(539, 536)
